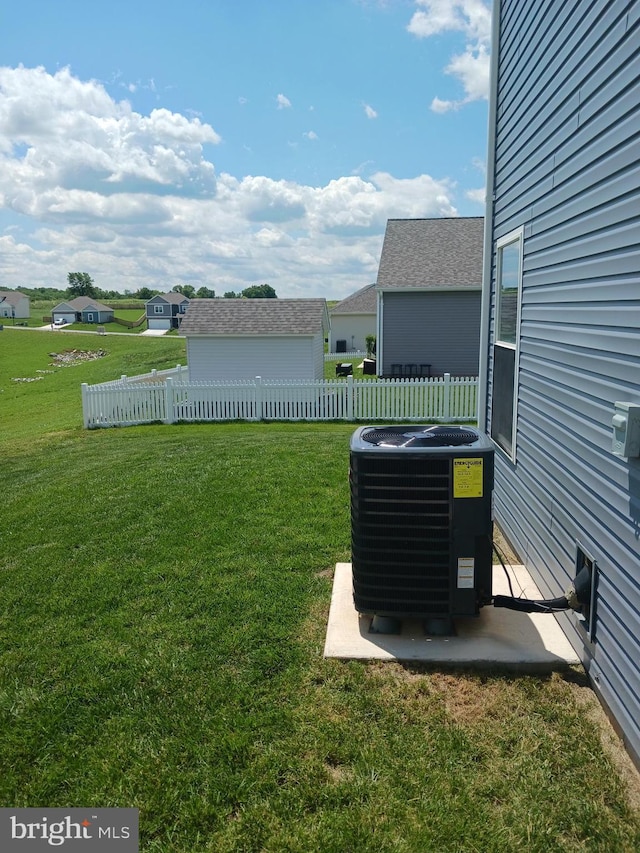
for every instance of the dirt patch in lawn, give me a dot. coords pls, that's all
(71, 357)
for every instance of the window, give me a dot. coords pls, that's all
(506, 341)
(158, 309)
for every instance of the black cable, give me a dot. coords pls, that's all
(525, 605)
(500, 557)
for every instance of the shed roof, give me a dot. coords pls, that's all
(432, 253)
(363, 301)
(255, 317)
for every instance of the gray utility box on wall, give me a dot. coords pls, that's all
(421, 521)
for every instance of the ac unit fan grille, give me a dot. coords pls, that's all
(401, 522)
(437, 436)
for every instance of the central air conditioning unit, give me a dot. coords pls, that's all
(421, 521)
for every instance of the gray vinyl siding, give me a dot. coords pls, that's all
(244, 357)
(441, 328)
(567, 168)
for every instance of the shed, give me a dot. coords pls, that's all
(352, 320)
(245, 338)
(429, 294)
(561, 317)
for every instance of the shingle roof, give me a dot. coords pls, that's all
(172, 297)
(255, 317)
(12, 297)
(363, 301)
(80, 303)
(424, 253)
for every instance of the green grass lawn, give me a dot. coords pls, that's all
(164, 593)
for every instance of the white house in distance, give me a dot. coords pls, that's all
(245, 338)
(14, 304)
(352, 320)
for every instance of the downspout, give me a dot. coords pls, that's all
(379, 325)
(487, 262)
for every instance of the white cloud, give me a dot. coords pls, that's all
(478, 196)
(369, 111)
(283, 102)
(472, 18)
(439, 106)
(134, 200)
(310, 134)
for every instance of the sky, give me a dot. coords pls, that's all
(226, 143)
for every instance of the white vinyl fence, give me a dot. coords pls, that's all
(129, 401)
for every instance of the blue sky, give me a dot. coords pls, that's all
(227, 143)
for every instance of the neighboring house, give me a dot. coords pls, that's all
(82, 309)
(166, 310)
(429, 295)
(352, 320)
(561, 317)
(245, 338)
(14, 304)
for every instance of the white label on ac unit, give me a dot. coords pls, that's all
(466, 567)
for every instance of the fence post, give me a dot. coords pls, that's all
(169, 415)
(446, 403)
(350, 398)
(259, 397)
(85, 405)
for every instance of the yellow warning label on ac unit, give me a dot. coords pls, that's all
(467, 478)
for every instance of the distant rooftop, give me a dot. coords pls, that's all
(424, 253)
(363, 301)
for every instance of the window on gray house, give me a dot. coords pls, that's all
(158, 309)
(506, 344)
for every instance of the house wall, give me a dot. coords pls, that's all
(441, 328)
(96, 316)
(20, 310)
(566, 166)
(352, 328)
(244, 357)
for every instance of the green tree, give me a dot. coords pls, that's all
(81, 284)
(187, 290)
(230, 294)
(259, 291)
(145, 293)
(205, 293)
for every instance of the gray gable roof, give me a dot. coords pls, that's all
(255, 317)
(432, 253)
(171, 297)
(11, 297)
(363, 301)
(82, 303)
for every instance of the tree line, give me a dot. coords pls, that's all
(81, 284)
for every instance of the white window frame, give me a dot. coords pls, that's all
(158, 309)
(513, 237)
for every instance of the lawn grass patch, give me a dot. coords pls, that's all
(53, 402)
(164, 593)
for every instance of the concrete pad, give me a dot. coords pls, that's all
(497, 637)
(154, 333)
